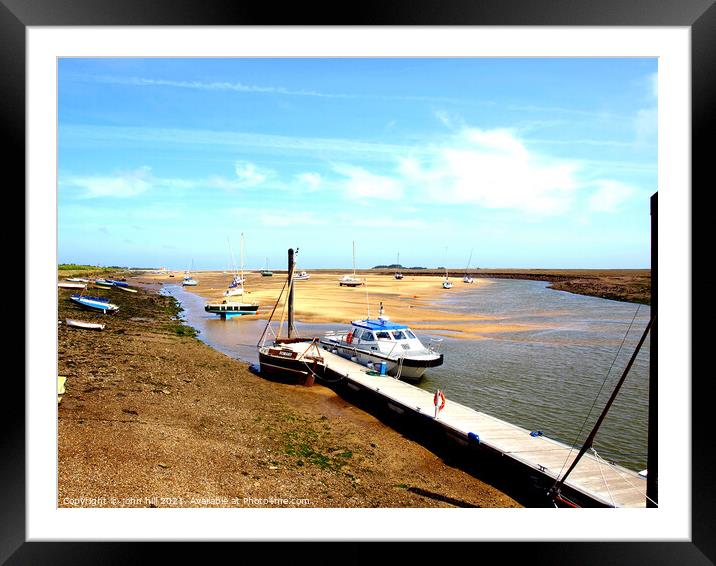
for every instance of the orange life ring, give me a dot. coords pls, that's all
(349, 337)
(439, 395)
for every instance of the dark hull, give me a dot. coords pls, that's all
(289, 369)
(244, 310)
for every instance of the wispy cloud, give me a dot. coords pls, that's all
(214, 86)
(309, 181)
(646, 119)
(80, 136)
(359, 183)
(121, 185)
(609, 195)
(238, 86)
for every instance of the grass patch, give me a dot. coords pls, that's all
(303, 445)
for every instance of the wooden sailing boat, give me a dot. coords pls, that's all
(277, 360)
(351, 280)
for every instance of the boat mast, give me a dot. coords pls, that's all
(242, 258)
(290, 292)
(354, 258)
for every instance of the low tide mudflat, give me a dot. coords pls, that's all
(154, 417)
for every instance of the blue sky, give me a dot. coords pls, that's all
(527, 162)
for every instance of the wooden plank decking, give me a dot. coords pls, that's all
(610, 484)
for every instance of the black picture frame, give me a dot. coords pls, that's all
(698, 15)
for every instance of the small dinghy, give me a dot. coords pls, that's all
(127, 289)
(63, 285)
(85, 325)
(117, 283)
(95, 303)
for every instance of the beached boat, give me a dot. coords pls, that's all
(229, 309)
(118, 283)
(467, 278)
(77, 280)
(398, 275)
(278, 360)
(373, 342)
(301, 276)
(447, 284)
(127, 289)
(351, 280)
(236, 287)
(188, 280)
(68, 285)
(266, 272)
(86, 325)
(95, 303)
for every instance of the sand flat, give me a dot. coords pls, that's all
(320, 299)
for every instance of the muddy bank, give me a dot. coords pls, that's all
(152, 417)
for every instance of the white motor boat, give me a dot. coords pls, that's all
(372, 342)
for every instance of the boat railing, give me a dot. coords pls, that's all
(434, 345)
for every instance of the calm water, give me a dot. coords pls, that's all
(547, 379)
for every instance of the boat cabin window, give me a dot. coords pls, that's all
(367, 336)
(357, 334)
(399, 335)
(382, 335)
(410, 334)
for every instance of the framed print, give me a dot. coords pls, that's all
(334, 137)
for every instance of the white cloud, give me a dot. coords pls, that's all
(249, 175)
(121, 185)
(493, 169)
(609, 195)
(358, 183)
(310, 181)
(289, 218)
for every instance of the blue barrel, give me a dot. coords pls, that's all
(383, 368)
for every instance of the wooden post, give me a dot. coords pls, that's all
(290, 292)
(652, 458)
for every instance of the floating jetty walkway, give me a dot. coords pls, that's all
(593, 482)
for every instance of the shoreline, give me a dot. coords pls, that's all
(153, 417)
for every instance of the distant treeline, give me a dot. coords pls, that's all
(66, 266)
(396, 266)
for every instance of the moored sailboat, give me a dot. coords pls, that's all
(398, 275)
(351, 280)
(302, 362)
(467, 278)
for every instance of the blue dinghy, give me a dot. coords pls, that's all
(95, 303)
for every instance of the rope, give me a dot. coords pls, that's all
(606, 484)
(606, 377)
(622, 476)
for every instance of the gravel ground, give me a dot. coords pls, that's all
(152, 417)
